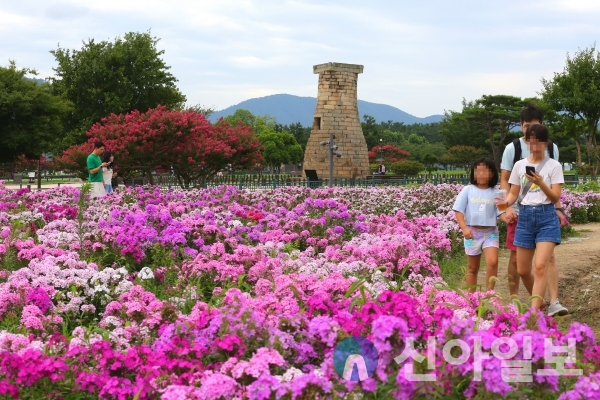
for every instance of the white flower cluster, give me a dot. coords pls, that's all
(145, 273)
(109, 283)
(289, 375)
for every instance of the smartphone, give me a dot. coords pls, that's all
(529, 170)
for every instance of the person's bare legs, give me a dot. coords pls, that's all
(524, 268)
(472, 271)
(544, 251)
(513, 274)
(552, 276)
(491, 270)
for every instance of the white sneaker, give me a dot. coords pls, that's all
(557, 309)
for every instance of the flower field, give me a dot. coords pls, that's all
(229, 294)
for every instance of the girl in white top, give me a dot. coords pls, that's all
(107, 172)
(538, 227)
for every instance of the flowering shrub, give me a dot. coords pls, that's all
(159, 138)
(224, 294)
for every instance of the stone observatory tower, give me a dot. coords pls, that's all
(337, 113)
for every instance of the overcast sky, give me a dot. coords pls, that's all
(422, 57)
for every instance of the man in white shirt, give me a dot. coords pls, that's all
(529, 116)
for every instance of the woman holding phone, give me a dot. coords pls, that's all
(536, 185)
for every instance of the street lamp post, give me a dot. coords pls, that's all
(332, 151)
(380, 160)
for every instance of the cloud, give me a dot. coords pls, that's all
(422, 58)
(66, 11)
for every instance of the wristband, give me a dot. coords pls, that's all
(561, 209)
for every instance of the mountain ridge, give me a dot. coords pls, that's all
(288, 109)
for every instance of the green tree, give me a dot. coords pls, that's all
(462, 156)
(30, 116)
(494, 117)
(159, 138)
(371, 130)
(407, 167)
(300, 132)
(430, 160)
(431, 132)
(202, 110)
(105, 78)
(244, 117)
(419, 151)
(575, 92)
(277, 147)
(459, 132)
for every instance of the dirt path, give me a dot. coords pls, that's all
(578, 261)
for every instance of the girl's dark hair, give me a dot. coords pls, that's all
(540, 132)
(488, 162)
(106, 157)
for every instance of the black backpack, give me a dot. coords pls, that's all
(517, 144)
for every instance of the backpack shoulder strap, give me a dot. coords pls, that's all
(551, 149)
(517, 144)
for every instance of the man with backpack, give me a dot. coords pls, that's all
(514, 152)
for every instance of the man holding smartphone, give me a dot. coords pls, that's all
(529, 116)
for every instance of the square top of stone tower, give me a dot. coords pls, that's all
(340, 67)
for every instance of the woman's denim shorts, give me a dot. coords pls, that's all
(537, 224)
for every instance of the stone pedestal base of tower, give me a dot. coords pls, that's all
(337, 113)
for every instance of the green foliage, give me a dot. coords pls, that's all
(202, 110)
(417, 145)
(579, 216)
(85, 190)
(246, 118)
(9, 261)
(585, 170)
(490, 117)
(30, 116)
(594, 211)
(588, 186)
(300, 133)
(407, 167)
(453, 268)
(462, 156)
(418, 152)
(279, 147)
(396, 133)
(112, 77)
(576, 95)
(566, 131)
(429, 160)
(459, 132)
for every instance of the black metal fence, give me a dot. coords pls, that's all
(253, 182)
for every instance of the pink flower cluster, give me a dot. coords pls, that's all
(223, 294)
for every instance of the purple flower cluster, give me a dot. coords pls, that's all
(222, 293)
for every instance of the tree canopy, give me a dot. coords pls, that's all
(492, 118)
(159, 138)
(278, 147)
(462, 156)
(575, 94)
(105, 78)
(30, 116)
(390, 154)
